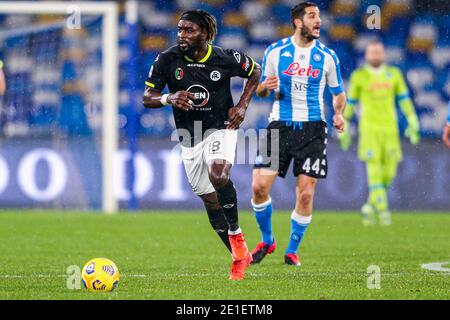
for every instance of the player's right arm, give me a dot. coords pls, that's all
(156, 81)
(269, 78)
(180, 99)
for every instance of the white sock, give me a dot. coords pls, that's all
(303, 220)
(233, 233)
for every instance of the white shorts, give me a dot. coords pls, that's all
(220, 145)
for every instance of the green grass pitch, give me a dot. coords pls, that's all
(176, 255)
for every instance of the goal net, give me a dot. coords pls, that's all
(58, 116)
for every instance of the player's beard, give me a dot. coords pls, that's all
(376, 63)
(191, 48)
(307, 33)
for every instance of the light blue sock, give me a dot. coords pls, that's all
(263, 215)
(299, 224)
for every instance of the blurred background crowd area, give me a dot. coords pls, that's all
(54, 73)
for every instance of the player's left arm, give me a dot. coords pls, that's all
(339, 102)
(407, 107)
(250, 70)
(336, 87)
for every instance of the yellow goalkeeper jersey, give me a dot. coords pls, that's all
(376, 90)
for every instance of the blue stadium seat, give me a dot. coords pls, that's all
(281, 12)
(43, 116)
(72, 118)
(399, 27)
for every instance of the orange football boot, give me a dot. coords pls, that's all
(238, 267)
(239, 248)
(241, 256)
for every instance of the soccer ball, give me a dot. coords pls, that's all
(100, 275)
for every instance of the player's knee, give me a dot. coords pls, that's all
(259, 190)
(219, 179)
(305, 198)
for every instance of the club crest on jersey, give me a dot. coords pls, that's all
(201, 95)
(294, 69)
(317, 57)
(179, 74)
(215, 75)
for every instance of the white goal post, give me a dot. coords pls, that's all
(110, 66)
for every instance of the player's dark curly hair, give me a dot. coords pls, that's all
(298, 11)
(204, 19)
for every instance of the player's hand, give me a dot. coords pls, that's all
(181, 100)
(339, 123)
(236, 116)
(412, 131)
(345, 140)
(271, 83)
(446, 135)
(412, 135)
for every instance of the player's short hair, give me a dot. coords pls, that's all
(204, 20)
(298, 11)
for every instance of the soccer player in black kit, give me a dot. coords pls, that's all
(198, 77)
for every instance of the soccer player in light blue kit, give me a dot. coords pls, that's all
(297, 69)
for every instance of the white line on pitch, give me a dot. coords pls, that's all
(437, 266)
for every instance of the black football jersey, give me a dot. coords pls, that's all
(208, 79)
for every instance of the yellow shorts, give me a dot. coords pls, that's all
(379, 146)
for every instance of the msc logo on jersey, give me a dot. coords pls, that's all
(215, 75)
(299, 86)
(201, 95)
(179, 74)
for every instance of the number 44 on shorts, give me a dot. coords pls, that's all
(315, 167)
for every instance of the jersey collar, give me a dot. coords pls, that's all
(378, 70)
(314, 43)
(205, 58)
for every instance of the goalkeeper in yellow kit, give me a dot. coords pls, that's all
(376, 87)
